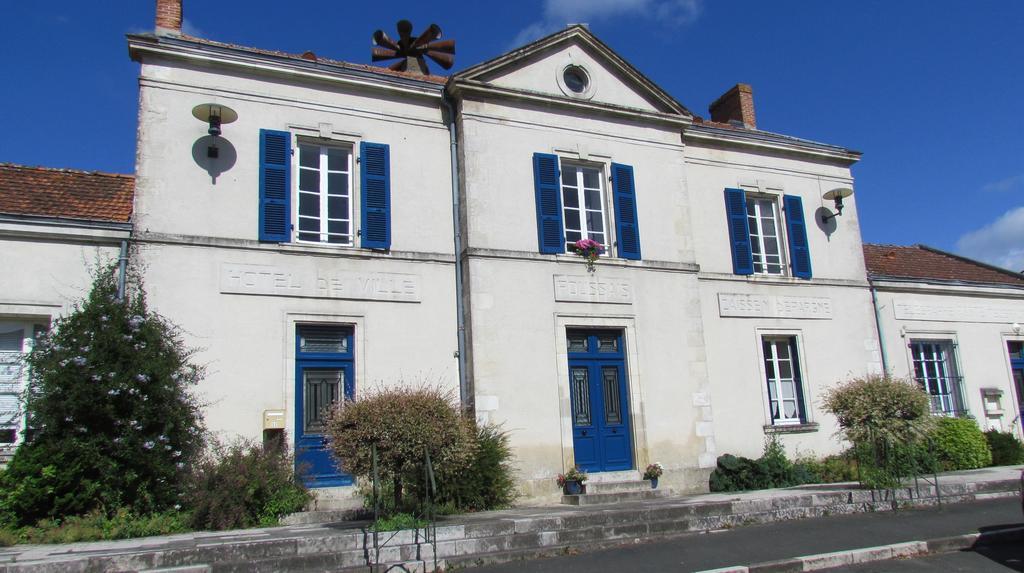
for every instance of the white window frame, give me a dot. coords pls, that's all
(953, 373)
(804, 386)
(602, 178)
(760, 240)
(324, 172)
(29, 330)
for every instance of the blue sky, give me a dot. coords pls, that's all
(931, 91)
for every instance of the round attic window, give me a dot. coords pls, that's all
(575, 79)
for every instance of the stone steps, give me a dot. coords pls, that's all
(618, 486)
(614, 496)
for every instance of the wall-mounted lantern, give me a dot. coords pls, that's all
(836, 195)
(215, 115)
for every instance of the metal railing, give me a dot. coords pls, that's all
(885, 465)
(425, 511)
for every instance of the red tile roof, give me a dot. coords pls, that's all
(923, 262)
(65, 193)
(302, 57)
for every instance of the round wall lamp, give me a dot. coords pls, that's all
(215, 115)
(836, 195)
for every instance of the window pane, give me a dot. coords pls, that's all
(309, 180)
(309, 224)
(337, 159)
(577, 342)
(591, 178)
(338, 231)
(570, 198)
(568, 175)
(11, 341)
(789, 407)
(337, 183)
(607, 343)
(572, 236)
(612, 404)
(581, 396)
(309, 156)
(337, 207)
(321, 389)
(323, 339)
(594, 222)
(592, 199)
(309, 205)
(1016, 350)
(572, 219)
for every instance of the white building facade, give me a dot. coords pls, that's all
(353, 226)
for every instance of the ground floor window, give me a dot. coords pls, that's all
(782, 373)
(16, 338)
(935, 369)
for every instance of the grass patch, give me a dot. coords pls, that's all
(97, 527)
(398, 522)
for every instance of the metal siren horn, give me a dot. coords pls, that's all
(411, 52)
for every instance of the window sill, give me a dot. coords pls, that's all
(791, 428)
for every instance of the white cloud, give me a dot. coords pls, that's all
(999, 243)
(1008, 184)
(558, 13)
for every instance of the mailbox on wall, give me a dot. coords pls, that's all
(992, 399)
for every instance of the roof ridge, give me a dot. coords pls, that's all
(65, 170)
(1014, 274)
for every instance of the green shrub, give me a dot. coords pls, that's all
(1006, 449)
(404, 423)
(877, 407)
(244, 485)
(97, 526)
(960, 444)
(398, 522)
(831, 469)
(485, 482)
(773, 469)
(115, 426)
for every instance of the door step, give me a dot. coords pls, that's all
(616, 492)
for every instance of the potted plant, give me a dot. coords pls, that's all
(572, 481)
(653, 472)
(589, 249)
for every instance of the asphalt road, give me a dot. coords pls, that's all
(1000, 559)
(781, 540)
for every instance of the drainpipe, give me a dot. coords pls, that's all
(878, 329)
(457, 228)
(122, 268)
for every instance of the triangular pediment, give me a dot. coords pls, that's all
(540, 68)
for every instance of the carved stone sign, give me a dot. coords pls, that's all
(768, 306)
(910, 310)
(593, 289)
(274, 281)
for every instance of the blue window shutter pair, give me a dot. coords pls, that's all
(548, 189)
(275, 190)
(275, 185)
(375, 212)
(739, 234)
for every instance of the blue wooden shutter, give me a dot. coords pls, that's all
(796, 230)
(547, 186)
(798, 381)
(375, 176)
(739, 232)
(275, 186)
(627, 227)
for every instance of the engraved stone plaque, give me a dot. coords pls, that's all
(274, 281)
(768, 306)
(592, 289)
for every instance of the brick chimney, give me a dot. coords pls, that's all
(735, 106)
(168, 17)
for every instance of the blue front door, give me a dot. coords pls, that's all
(600, 401)
(323, 376)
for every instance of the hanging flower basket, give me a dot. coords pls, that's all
(589, 249)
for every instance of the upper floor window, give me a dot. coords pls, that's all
(755, 226)
(935, 369)
(765, 247)
(572, 204)
(324, 194)
(583, 204)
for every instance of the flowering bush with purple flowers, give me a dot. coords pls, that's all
(115, 426)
